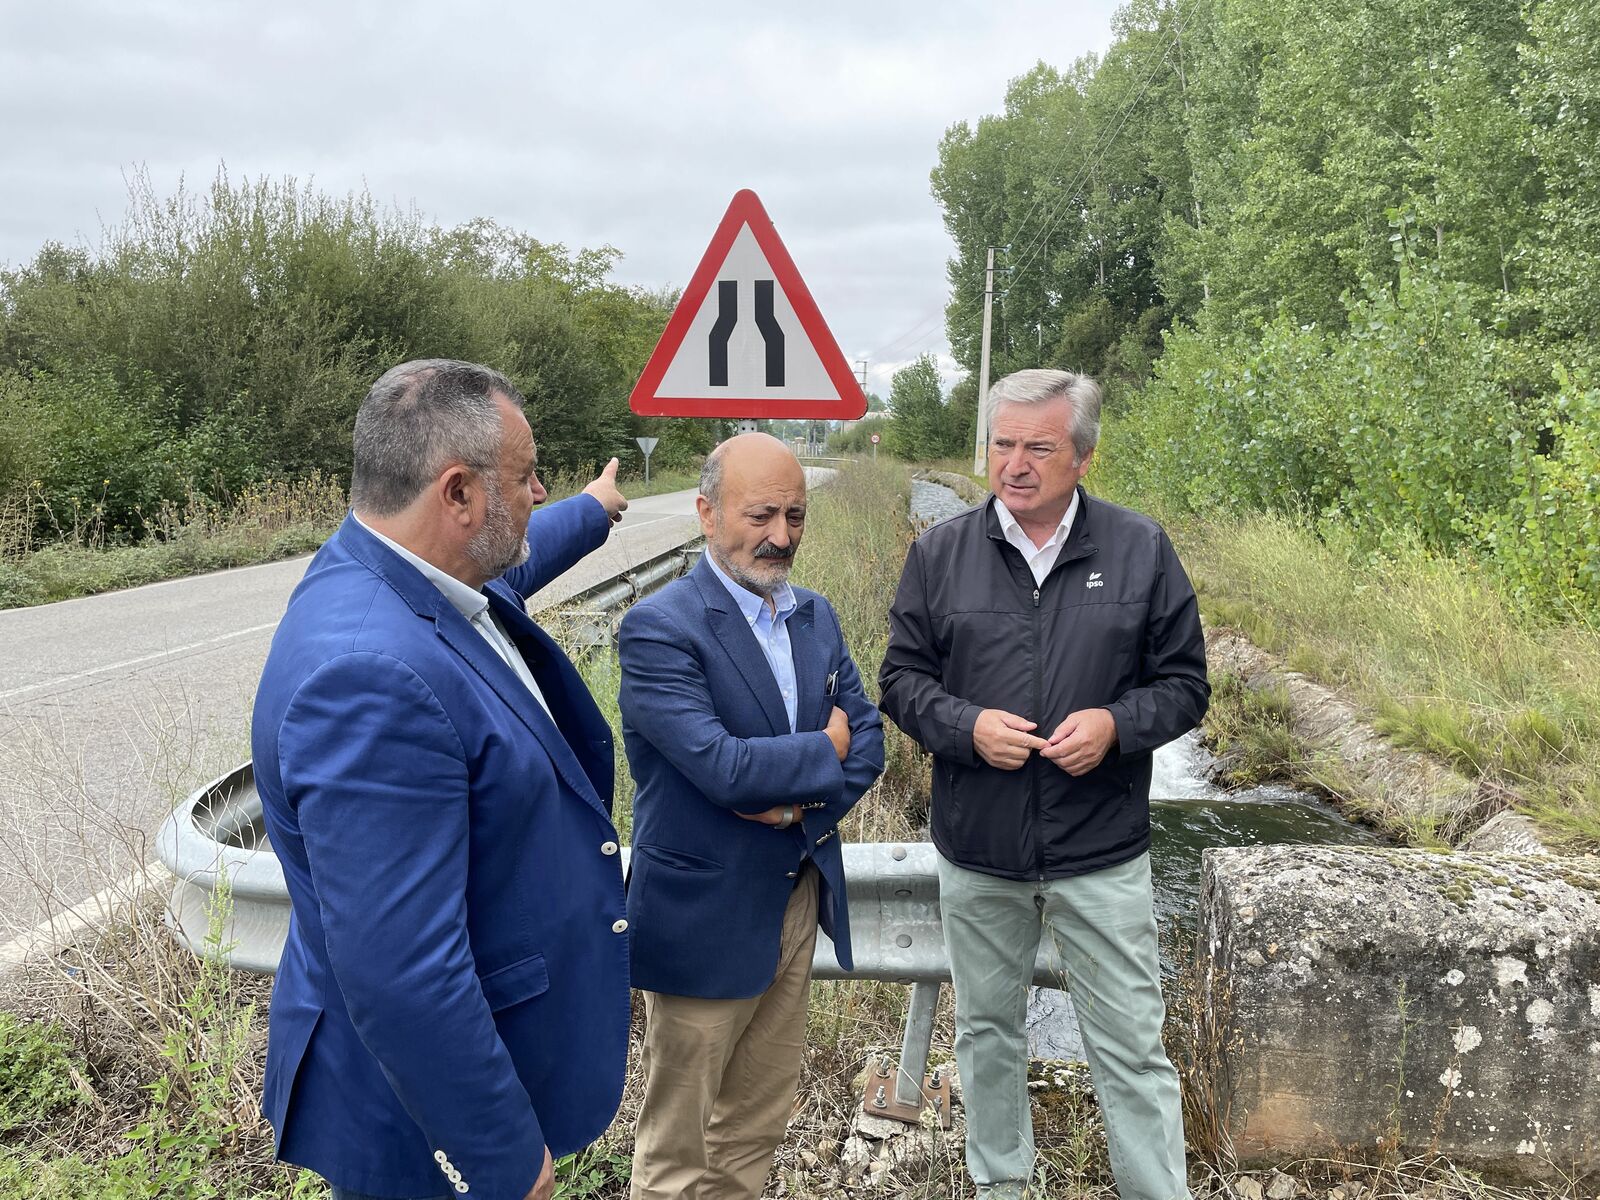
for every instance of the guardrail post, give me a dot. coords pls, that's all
(904, 1093)
(915, 1045)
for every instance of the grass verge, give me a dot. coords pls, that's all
(265, 523)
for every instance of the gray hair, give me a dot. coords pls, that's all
(420, 418)
(1041, 384)
(711, 477)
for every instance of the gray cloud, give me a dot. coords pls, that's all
(624, 123)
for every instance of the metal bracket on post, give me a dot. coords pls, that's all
(902, 1094)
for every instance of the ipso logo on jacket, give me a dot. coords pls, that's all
(1095, 580)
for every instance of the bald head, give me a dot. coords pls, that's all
(753, 509)
(744, 456)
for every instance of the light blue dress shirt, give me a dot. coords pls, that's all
(771, 630)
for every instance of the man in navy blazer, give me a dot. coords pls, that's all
(452, 1008)
(750, 737)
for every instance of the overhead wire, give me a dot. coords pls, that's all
(916, 335)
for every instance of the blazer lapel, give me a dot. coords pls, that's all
(739, 641)
(429, 602)
(469, 643)
(811, 660)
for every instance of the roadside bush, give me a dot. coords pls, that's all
(35, 1072)
(218, 339)
(17, 589)
(1545, 541)
(1403, 429)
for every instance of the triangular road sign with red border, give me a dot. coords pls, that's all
(746, 339)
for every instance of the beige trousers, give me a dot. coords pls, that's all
(720, 1076)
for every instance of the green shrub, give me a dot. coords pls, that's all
(1545, 541)
(35, 1072)
(17, 588)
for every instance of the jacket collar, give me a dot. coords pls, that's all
(464, 598)
(1078, 543)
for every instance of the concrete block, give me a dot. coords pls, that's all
(1363, 999)
(1506, 833)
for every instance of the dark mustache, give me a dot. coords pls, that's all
(768, 550)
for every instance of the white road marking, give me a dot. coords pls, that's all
(64, 927)
(134, 662)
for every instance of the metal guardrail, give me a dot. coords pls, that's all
(896, 929)
(590, 618)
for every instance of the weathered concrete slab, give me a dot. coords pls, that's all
(1507, 833)
(1372, 998)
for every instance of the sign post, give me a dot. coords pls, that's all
(875, 440)
(747, 339)
(647, 444)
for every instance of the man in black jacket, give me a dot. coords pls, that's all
(1041, 646)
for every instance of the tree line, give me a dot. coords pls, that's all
(1332, 258)
(215, 340)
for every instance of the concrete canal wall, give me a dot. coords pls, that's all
(1370, 999)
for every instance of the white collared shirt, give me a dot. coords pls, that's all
(474, 606)
(1039, 558)
(770, 624)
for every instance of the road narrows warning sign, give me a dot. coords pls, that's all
(746, 339)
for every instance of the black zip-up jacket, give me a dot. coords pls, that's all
(1115, 625)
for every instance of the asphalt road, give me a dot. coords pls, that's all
(114, 707)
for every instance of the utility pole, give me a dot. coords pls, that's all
(980, 450)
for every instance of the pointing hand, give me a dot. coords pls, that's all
(604, 489)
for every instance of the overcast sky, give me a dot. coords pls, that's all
(624, 123)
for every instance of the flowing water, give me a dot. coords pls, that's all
(1188, 814)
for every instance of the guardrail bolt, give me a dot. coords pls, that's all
(938, 1104)
(881, 1099)
(883, 1069)
(936, 1079)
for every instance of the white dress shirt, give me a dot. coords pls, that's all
(474, 606)
(1039, 558)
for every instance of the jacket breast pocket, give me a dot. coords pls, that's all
(514, 984)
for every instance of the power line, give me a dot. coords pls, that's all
(917, 335)
(1095, 158)
(1177, 10)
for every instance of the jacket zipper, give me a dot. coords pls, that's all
(1038, 710)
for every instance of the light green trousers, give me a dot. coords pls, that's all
(1103, 926)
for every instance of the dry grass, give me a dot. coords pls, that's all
(263, 523)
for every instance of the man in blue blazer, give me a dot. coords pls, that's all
(452, 1007)
(750, 737)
